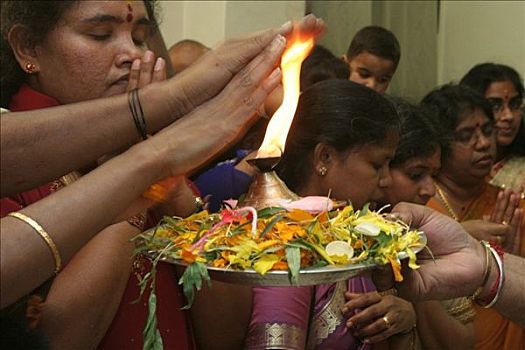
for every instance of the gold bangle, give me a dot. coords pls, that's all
(486, 273)
(52, 246)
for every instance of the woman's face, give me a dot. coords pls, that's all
(358, 174)
(90, 52)
(413, 181)
(506, 105)
(473, 150)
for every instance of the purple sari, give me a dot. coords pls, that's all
(305, 317)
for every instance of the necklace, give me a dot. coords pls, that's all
(443, 198)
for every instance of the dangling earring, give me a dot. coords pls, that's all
(30, 68)
(323, 170)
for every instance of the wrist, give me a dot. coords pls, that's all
(160, 105)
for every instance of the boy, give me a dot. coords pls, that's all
(373, 57)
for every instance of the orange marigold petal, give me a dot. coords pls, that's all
(280, 265)
(396, 268)
(299, 215)
(188, 256)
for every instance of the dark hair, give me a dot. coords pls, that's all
(419, 136)
(482, 75)
(447, 104)
(322, 65)
(39, 17)
(376, 40)
(339, 113)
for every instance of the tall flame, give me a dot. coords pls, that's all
(278, 127)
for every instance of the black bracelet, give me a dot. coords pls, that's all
(137, 112)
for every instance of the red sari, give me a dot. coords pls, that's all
(125, 332)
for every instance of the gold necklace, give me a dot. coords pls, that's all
(443, 198)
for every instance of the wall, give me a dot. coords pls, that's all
(343, 18)
(210, 22)
(473, 32)
(203, 21)
(413, 22)
(468, 32)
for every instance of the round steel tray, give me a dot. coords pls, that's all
(280, 278)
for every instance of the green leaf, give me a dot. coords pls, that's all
(151, 335)
(270, 225)
(300, 243)
(192, 279)
(365, 210)
(270, 211)
(293, 257)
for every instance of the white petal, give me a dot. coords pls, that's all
(368, 228)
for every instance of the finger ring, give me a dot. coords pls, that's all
(498, 239)
(387, 322)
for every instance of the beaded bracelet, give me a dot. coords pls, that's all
(45, 236)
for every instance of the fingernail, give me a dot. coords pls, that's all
(286, 26)
(136, 64)
(344, 310)
(349, 324)
(148, 56)
(366, 341)
(275, 73)
(159, 65)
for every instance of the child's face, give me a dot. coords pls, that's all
(413, 181)
(370, 70)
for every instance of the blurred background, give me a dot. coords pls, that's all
(440, 40)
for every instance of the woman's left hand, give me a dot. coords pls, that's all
(379, 317)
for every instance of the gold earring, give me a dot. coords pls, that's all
(323, 170)
(30, 68)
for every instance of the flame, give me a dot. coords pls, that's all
(279, 125)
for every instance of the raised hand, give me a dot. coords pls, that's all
(146, 70)
(212, 72)
(378, 317)
(214, 125)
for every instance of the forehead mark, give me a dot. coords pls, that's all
(129, 16)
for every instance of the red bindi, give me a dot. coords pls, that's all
(129, 16)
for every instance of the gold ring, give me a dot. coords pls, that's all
(499, 239)
(387, 322)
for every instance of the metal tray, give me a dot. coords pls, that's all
(280, 278)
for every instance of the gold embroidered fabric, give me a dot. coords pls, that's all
(460, 308)
(326, 321)
(65, 180)
(276, 336)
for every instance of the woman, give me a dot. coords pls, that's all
(463, 194)
(231, 179)
(340, 143)
(440, 324)
(80, 51)
(109, 35)
(503, 88)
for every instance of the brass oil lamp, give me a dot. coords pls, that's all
(267, 189)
